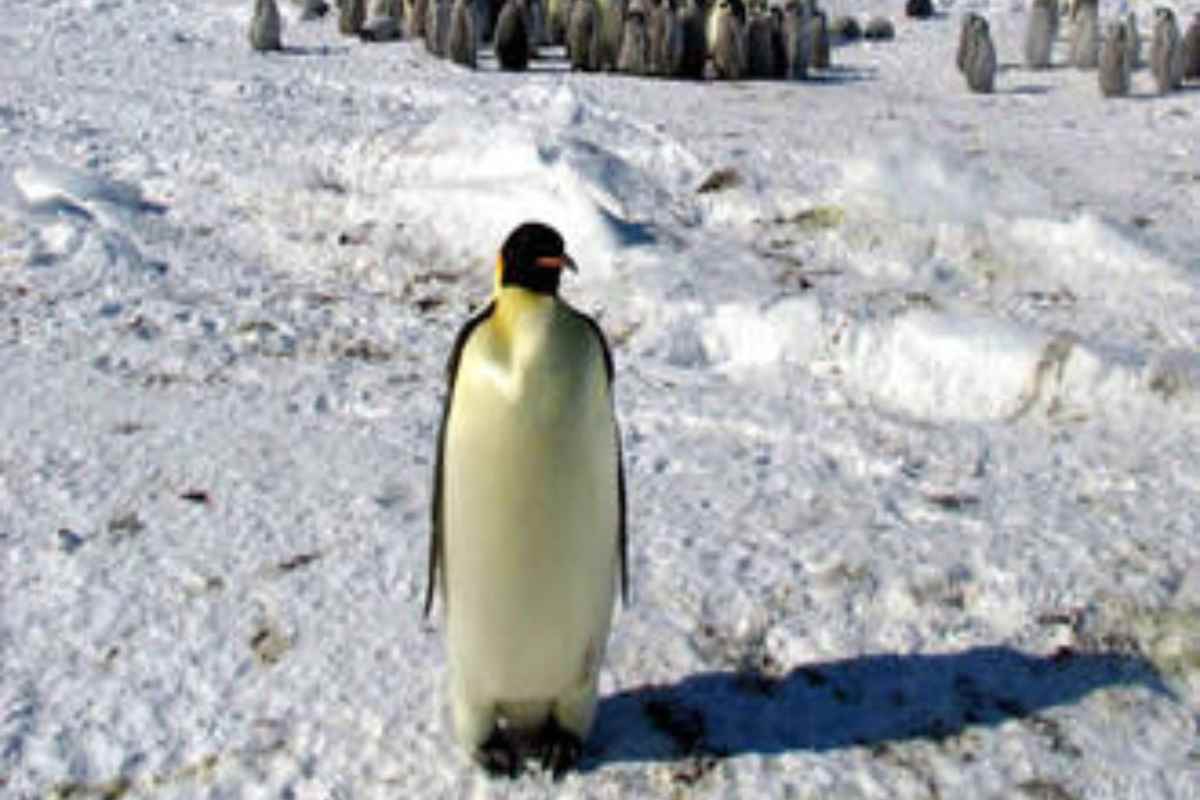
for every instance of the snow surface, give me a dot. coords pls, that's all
(908, 377)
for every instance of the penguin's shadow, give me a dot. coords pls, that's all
(314, 52)
(1027, 89)
(837, 74)
(867, 701)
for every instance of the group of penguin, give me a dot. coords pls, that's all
(1173, 58)
(727, 39)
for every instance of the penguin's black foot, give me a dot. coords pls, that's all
(498, 757)
(559, 749)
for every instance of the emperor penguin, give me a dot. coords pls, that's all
(728, 43)
(796, 39)
(528, 516)
(512, 37)
(965, 40)
(980, 66)
(1133, 41)
(462, 45)
(818, 29)
(351, 16)
(1166, 51)
(1114, 60)
(635, 43)
(1191, 49)
(689, 56)
(1040, 32)
(583, 35)
(760, 52)
(265, 26)
(1085, 34)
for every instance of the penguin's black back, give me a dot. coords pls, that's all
(512, 40)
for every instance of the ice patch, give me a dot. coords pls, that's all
(466, 180)
(741, 336)
(936, 365)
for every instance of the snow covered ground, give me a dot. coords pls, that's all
(909, 381)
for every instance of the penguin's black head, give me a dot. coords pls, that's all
(533, 257)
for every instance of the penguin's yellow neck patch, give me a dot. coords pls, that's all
(513, 304)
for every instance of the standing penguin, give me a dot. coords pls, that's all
(415, 13)
(1085, 34)
(1133, 42)
(512, 38)
(796, 39)
(583, 35)
(1191, 49)
(612, 29)
(691, 54)
(760, 53)
(351, 16)
(1114, 60)
(980, 61)
(818, 30)
(1040, 32)
(437, 27)
(528, 537)
(779, 53)
(728, 44)
(965, 33)
(1166, 54)
(634, 56)
(462, 46)
(265, 26)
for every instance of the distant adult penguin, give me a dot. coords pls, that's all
(612, 29)
(415, 14)
(534, 16)
(760, 54)
(558, 17)
(512, 40)
(351, 16)
(729, 48)
(265, 26)
(797, 39)
(1166, 52)
(1114, 60)
(818, 31)
(527, 551)
(1191, 49)
(659, 20)
(1041, 29)
(919, 9)
(1133, 41)
(462, 44)
(437, 27)
(691, 55)
(1085, 34)
(583, 36)
(966, 32)
(980, 68)
(635, 46)
(779, 53)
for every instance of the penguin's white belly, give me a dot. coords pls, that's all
(530, 526)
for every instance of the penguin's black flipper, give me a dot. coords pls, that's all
(621, 535)
(436, 538)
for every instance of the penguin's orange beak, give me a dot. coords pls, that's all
(557, 262)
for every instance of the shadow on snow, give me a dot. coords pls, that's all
(865, 701)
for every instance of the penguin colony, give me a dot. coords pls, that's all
(695, 39)
(527, 547)
(1115, 55)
